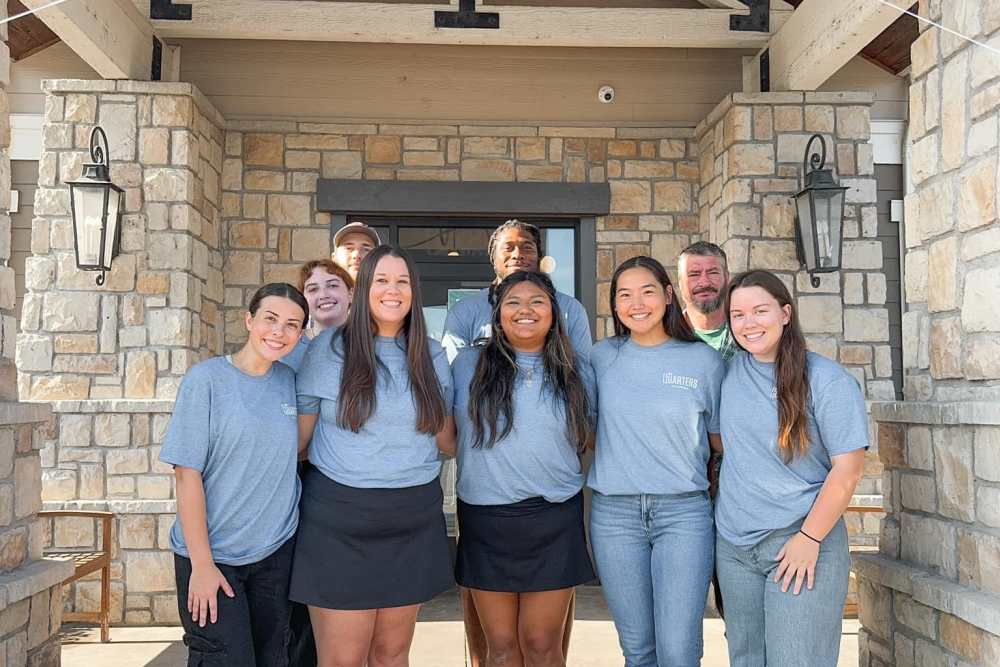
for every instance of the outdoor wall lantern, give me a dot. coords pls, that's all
(819, 215)
(97, 205)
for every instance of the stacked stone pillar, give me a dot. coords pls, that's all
(109, 359)
(932, 596)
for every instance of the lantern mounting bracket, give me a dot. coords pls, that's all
(467, 17)
(759, 19)
(166, 10)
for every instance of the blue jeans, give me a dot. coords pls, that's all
(767, 627)
(654, 556)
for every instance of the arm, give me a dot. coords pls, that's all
(715, 443)
(206, 579)
(578, 329)
(307, 424)
(799, 555)
(446, 437)
(456, 335)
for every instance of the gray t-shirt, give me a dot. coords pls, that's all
(758, 491)
(241, 433)
(536, 458)
(294, 358)
(469, 320)
(656, 406)
(388, 451)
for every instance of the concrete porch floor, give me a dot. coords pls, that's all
(439, 640)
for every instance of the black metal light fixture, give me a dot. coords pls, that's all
(97, 206)
(819, 215)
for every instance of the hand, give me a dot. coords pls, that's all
(797, 561)
(203, 589)
(714, 469)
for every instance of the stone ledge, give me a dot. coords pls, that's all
(23, 413)
(975, 607)
(114, 506)
(112, 405)
(958, 413)
(36, 576)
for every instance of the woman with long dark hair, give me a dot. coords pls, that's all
(796, 430)
(232, 442)
(375, 401)
(523, 416)
(651, 519)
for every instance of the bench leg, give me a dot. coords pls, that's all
(106, 603)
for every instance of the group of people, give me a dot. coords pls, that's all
(722, 447)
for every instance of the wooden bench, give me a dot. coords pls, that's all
(88, 562)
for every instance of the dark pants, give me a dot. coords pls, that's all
(301, 641)
(251, 628)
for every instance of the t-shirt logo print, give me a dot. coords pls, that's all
(289, 410)
(683, 381)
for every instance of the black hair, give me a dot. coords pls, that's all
(491, 391)
(283, 290)
(674, 322)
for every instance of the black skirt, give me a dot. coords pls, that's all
(526, 547)
(369, 548)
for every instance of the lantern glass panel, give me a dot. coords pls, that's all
(828, 207)
(88, 208)
(114, 220)
(804, 208)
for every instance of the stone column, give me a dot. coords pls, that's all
(932, 596)
(8, 333)
(110, 359)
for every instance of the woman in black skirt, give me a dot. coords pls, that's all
(375, 401)
(521, 405)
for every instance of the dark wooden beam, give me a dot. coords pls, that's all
(27, 35)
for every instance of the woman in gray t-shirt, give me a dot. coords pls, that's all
(795, 429)
(232, 442)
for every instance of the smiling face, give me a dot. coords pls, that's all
(526, 316)
(391, 295)
(757, 321)
(275, 328)
(515, 250)
(641, 303)
(328, 298)
(351, 250)
(702, 279)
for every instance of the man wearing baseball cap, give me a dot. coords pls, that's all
(350, 245)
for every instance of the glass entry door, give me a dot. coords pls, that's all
(453, 261)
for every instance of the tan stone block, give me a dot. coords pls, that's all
(672, 149)
(304, 181)
(962, 638)
(487, 170)
(625, 251)
(254, 206)
(855, 354)
(289, 209)
(819, 118)
(544, 173)
(172, 110)
(778, 217)
(977, 201)
(168, 184)
(985, 101)
(774, 255)
(788, 119)
(486, 146)
(383, 173)
(982, 357)
(576, 170)
(172, 326)
(136, 531)
(185, 149)
(60, 388)
(342, 165)
(818, 313)
(149, 282)
(140, 375)
(319, 142)
(93, 363)
(248, 235)
(28, 486)
(420, 143)
(763, 123)
(165, 609)
(866, 325)
(622, 148)
(924, 53)
(630, 196)
(75, 343)
(127, 461)
(648, 169)
(751, 160)
(531, 148)
(942, 272)
(63, 311)
(946, 348)
(155, 487)
(309, 244)
(953, 472)
(383, 150)
(846, 165)
(736, 125)
(149, 571)
(862, 255)
(953, 111)
(302, 160)
(264, 180)
(421, 159)
(666, 248)
(918, 492)
(672, 196)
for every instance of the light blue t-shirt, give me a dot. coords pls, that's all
(388, 451)
(656, 406)
(469, 320)
(536, 458)
(758, 491)
(294, 358)
(241, 433)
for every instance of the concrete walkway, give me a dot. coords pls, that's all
(439, 640)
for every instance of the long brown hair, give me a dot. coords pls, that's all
(674, 322)
(491, 392)
(361, 364)
(791, 375)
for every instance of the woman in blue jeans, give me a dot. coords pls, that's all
(651, 524)
(795, 429)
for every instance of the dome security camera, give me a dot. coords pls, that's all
(605, 94)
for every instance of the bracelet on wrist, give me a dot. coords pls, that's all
(810, 537)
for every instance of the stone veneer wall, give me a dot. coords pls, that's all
(932, 596)
(110, 359)
(271, 168)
